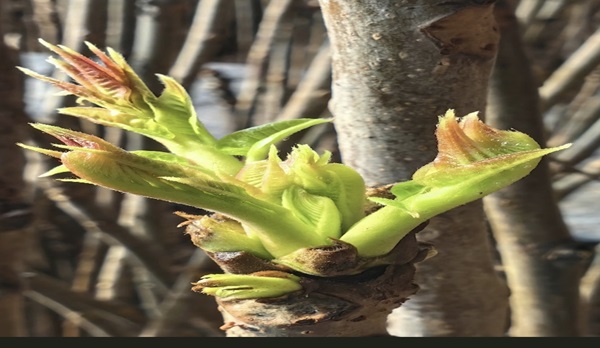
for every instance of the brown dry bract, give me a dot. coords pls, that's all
(470, 31)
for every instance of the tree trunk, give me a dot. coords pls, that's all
(397, 66)
(542, 264)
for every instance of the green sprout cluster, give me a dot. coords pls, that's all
(280, 209)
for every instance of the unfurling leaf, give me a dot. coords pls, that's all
(266, 284)
(473, 160)
(319, 212)
(123, 100)
(254, 143)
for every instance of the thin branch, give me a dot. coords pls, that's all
(578, 123)
(78, 26)
(314, 90)
(204, 39)
(247, 17)
(590, 293)
(571, 182)
(583, 147)
(181, 300)
(527, 10)
(121, 25)
(99, 318)
(143, 252)
(275, 88)
(572, 72)
(257, 60)
(580, 114)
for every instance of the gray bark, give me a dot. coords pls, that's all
(542, 263)
(397, 66)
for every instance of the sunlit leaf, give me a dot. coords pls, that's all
(254, 143)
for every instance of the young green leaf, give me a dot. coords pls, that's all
(123, 100)
(267, 175)
(473, 160)
(267, 284)
(339, 182)
(318, 212)
(99, 162)
(254, 143)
